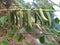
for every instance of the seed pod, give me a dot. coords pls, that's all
(40, 18)
(12, 19)
(29, 18)
(42, 15)
(20, 18)
(49, 18)
(24, 17)
(35, 15)
(16, 18)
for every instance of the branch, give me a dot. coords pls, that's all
(28, 9)
(54, 3)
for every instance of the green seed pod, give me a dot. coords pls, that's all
(16, 18)
(42, 15)
(40, 18)
(49, 18)
(24, 17)
(20, 18)
(29, 18)
(12, 19)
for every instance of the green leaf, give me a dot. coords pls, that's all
(57, 20)
(15, 28)
(4, 43)
(3, 19)
(1, 27)
(20, 37)
(10, 35)
(22, 29)
(42, 39)
(51, 43)
(28, 29)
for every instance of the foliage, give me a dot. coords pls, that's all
(3, 19)
(4, 43)
(10, 35)
(14, 29)
(26, 21)
(42, 39)
(51, 43)
(57, 20)
(29, 29)
(20, 37)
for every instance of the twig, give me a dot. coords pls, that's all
(54, 3)
(28, 9)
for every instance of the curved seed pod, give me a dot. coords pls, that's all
(49, 18)
(16, 19)
(42, 15)
(20, 18)
(24, 17)
(36, 18)
(29, 18)
(12, 19)
(40, 18)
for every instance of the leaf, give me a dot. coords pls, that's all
(3, 19)
(28, 29)
(51, 43)
(20, 37)
(10, 35)
(57, 20)
(22, 29)
(14, 28)
(1, 27)
(4, 43)
(42, 39)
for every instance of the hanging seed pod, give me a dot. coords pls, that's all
(12, 15)
(42, 15)
(24, 17)
(16, 18)
(40, 18)
(29, 18)
(49, 18)
(20, 18)
(35, 15)
(9, 13)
